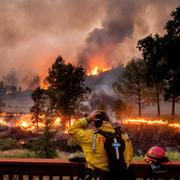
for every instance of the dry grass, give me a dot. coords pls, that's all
(25, 153)
(17, 153)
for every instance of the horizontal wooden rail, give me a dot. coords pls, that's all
(19, 168)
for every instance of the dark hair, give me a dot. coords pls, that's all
(100, 117)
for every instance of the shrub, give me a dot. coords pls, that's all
(173, 155)
(7, 143)
(44, 147)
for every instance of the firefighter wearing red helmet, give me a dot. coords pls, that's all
(155, 156)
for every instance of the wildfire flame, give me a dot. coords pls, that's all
(97, 70)
(175, 125)
(24, 121)
(69, 124)
(94, 71)
(151, 122)
(2, 121)
(145, 121)
(44, 85)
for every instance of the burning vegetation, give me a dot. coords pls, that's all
(148, 122)
(24, 121)
(22, 130)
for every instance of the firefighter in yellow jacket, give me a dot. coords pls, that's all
(93, 143)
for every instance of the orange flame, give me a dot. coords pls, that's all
(69, 124)
(151, 122)
(2, 121)
(175, 125)
(57, 122)
(94, 71)
(97, 70)
(24, 121)
(44, 85)
(145, 121)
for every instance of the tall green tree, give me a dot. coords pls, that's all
(171, 53)
(131, 86)
(66, 86)
(151, 47)
(44, 146)
(38, 108)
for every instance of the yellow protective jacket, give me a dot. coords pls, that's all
(84, 137)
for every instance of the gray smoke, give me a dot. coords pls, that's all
(34, 32)
(117, 25)
(125, 22)
(11, 78)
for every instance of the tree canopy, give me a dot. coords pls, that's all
(171, 47)
(66, 86)
(161, 55)
(131, 84)
(156, 67)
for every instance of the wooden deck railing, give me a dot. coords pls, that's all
(22, 169)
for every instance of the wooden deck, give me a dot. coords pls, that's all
(63, 169)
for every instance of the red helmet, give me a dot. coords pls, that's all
(154, 154)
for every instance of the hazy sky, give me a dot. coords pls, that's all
(34, 32)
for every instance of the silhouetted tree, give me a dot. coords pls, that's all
(122, 108)
(131, 85)
(156, 67)
(38, 109)
(66, 86)
(171, 49)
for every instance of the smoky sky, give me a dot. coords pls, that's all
(124, 23)
(34, 32)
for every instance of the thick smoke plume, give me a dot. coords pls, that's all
(34, 32)
(124, 23)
